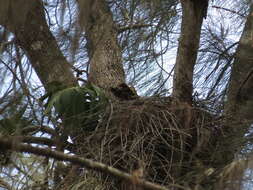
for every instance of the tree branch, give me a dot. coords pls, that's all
(10, 143)
(5, 185)
(133, 26)
(192, 18)
(37, 140)
(229, 10)
(34, 128)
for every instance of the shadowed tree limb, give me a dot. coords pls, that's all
(193, 15)
(10, 143)
(5, 185)
(240, 90)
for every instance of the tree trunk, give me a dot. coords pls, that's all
(26, 19)
(105, 57)
(193, 13)
(239, 105)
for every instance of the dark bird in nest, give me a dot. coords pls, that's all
(124, 92)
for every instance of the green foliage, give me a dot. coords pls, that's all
(78, 106)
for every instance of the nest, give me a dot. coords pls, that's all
(165, 139)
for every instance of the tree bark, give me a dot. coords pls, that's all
(193, 13)
(105, 57)
(239, 104)
(26, 20)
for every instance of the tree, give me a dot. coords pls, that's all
(84, 53)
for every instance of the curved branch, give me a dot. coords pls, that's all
(39, 128)
(10, 143)
(37, 140)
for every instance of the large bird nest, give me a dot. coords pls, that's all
(165, 138)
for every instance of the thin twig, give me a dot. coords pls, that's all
(229, 10)
(134, 26)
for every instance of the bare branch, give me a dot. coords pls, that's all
(192, 20)
(33, 128)
(5, 185)
(10, 143)
(229, 10)
(133, 26)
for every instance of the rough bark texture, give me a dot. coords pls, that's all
(106, 69)
(26, 19)
(193, 14)
(105, 57)
(240, 103)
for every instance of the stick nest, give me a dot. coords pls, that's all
(164, 139)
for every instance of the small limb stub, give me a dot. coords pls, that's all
(134, 183)
(137, 175)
